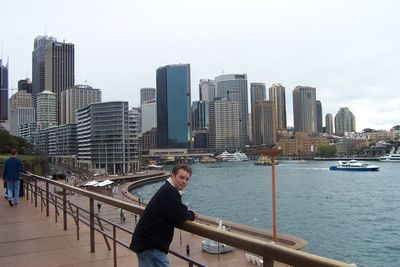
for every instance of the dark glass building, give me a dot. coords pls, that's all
(3, 92)
(199, 115)
(173, 106)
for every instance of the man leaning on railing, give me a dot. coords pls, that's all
(165, 211)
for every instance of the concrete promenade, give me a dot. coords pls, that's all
(29, 238)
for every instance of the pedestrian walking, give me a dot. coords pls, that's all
(187, 250)
(12, 168)
(98, 206)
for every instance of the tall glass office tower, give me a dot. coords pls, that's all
(3, 92)
(173, 106)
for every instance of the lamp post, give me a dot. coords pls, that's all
(272, 153)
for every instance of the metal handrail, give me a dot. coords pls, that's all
(269, 252)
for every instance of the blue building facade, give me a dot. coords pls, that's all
(173, 106)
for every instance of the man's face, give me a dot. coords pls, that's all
(181, 179)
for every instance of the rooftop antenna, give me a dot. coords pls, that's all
(1, 55)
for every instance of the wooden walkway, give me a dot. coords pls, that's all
(29, 238)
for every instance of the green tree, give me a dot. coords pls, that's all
(327, 151)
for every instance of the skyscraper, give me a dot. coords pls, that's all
(233, 87)
(318, 110)
(207, 90)
(304, 109)
(74, 98)
(25, 85)
(200, 115)
(173, 106)
(345, 121)
(277, 94)
(59, 70)
(147, 94)
(264, 123)
(224, 125)
(38, 62)
(3, 92)
(257, 93)
(329, 123)
(149, 115)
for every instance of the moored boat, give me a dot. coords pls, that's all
(207, 159)
(353, 165)
(237, 156)
(393, 156)
(215, 247)
(264, 160)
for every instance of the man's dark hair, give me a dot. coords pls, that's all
(13, 152)
(181, 166)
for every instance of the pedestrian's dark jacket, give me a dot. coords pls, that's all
(165, 211)
(12, 168)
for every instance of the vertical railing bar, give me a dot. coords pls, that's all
(47, 199)
(91, 206)
(65, 208)
(115, 244)
(77, 223)
(36, 192)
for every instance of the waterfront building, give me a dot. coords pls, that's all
(103, 137)
(345, 121)
(318, 115)
(38, 65)
(76, 97)
(302, 144)
(200, 115)
(62, 144)
(28, 132)
(41, 140)
(224, 125)
(207, 90)
(233, 87)
(46, 110)
(134, 141)
(3, 92)
(173, 106)
(25, 85)
(149, 115)
(147, 94)
(329, 123)
(304, 109)
(278, 95)
(59, 70)
(264, 123)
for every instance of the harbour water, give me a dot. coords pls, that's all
(349, 216)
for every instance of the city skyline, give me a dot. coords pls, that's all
(348, 51)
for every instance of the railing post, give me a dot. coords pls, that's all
(65, 208)
(267, 262)
(47, 198)
(41, 200)
(36, 192)
(55, 208)
(115, 245)
(27, 190)
(91, 206)
(77, 223)
(31, 185)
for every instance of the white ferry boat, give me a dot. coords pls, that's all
(393, 156)
(215, 247)
(237, 156)
(353, 165)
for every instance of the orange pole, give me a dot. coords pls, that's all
(273, 197)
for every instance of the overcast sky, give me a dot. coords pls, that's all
(349, 50)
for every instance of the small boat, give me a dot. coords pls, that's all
(207, 159)
(353, 165)
(169, 160)
(215, 247)
(264, 160)
(237, 156)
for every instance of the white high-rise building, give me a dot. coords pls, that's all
(21, 111)
(207, 90)
(233, 87)
(46, 109)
